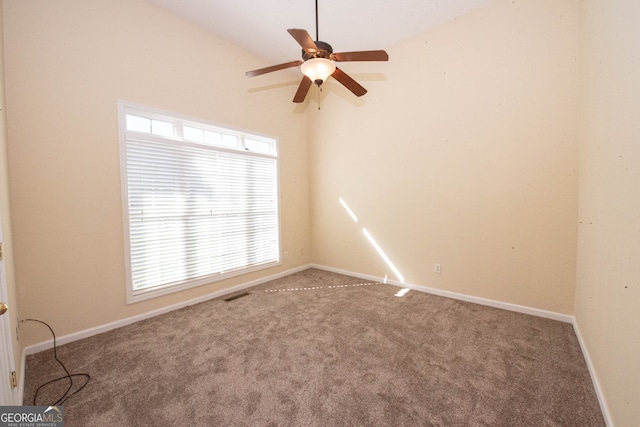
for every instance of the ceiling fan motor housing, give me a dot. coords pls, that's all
(324, 51)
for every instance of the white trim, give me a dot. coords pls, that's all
(604, 408)
(462, 297)
(505, 306)
(127, 137)
(173, 288)
(166, 115)
(75, 336)
(21, 380)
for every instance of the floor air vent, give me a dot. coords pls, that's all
(235, 296)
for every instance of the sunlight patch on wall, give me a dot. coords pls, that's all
(383, 255)
(373, 243)
(349, 211)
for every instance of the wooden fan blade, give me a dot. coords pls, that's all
(266, 70)
(363, 55)
(348, 82)
(301, 94)
(304, 39)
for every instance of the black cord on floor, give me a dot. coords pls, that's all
(66, 394)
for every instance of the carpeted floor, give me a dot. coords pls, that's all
(321, 349)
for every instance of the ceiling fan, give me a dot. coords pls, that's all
(317, 63)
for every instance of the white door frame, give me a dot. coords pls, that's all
(8, 394)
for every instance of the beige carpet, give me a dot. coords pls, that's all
(322, 349)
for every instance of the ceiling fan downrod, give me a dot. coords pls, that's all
(317, 36)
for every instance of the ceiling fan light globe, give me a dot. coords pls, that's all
(318, 69)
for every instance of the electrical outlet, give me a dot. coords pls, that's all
(286, 254)
(437, 269)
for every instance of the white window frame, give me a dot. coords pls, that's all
(269, 146)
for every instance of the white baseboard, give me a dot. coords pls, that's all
(35, 348)
(454, 295)
(594, 377)
(505, 306)
(44, 345)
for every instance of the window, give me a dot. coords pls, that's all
(200, 202)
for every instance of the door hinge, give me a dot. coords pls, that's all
(1, 251)
(13, 379)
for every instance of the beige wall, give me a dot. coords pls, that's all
(608, 274)
(463, 153)
(67, 63)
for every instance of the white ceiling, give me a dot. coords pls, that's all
(259, 26)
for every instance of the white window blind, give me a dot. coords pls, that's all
(197, 209)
